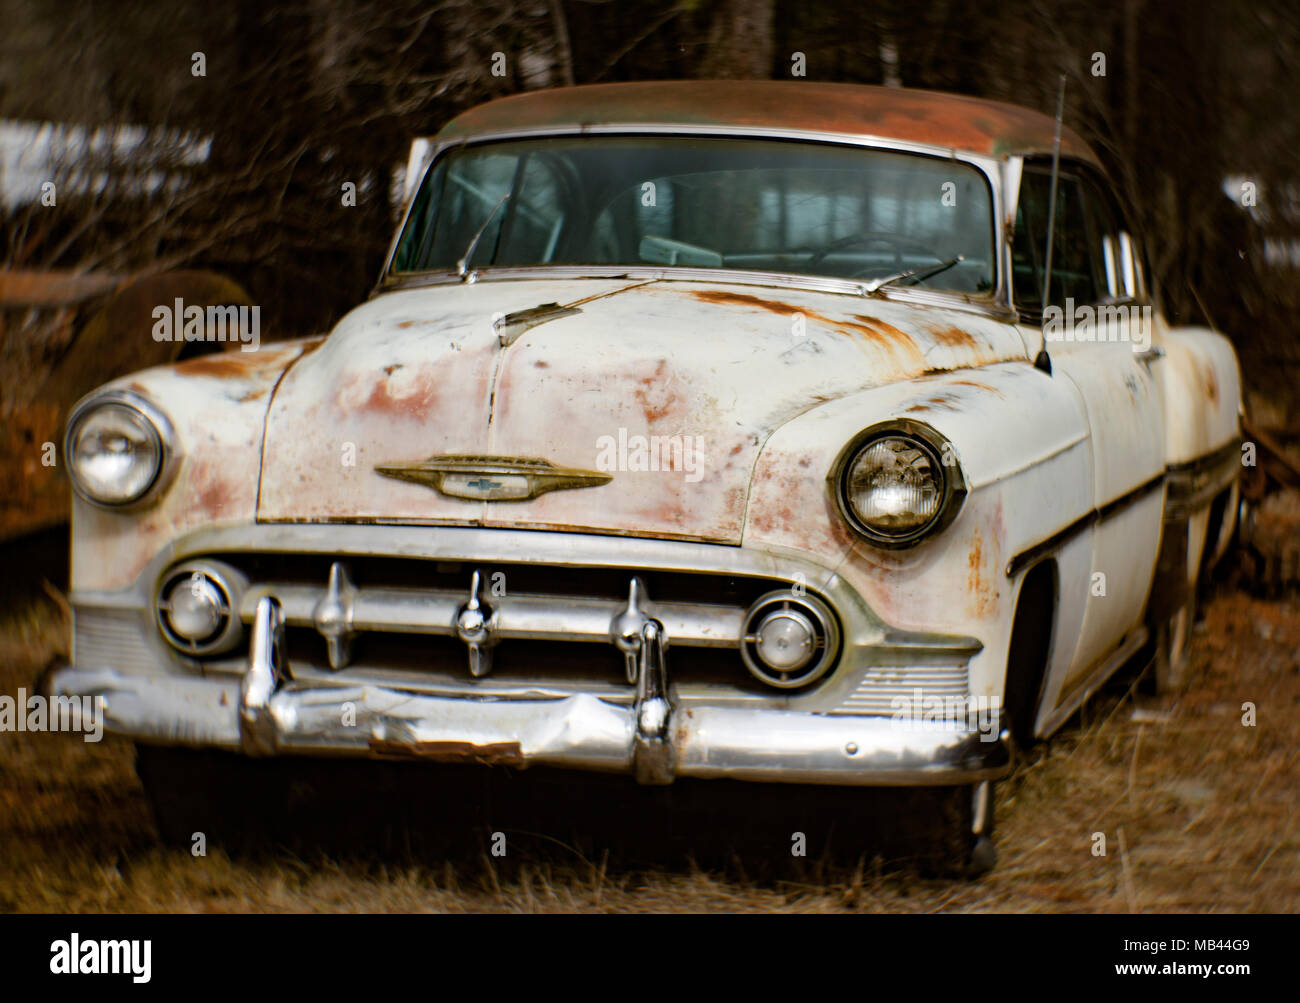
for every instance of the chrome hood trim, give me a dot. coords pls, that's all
(493, 478)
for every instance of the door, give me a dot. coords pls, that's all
(1097, 331)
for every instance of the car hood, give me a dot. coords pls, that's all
(653, 397)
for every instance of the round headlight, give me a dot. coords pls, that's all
(894, 488)
(115, 452)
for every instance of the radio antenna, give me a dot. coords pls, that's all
(1042, 361)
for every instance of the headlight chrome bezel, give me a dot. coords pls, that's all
(155, 421)
(228, 582)
(935, 446)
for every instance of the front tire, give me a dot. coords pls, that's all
(961, 833)
(220, 795)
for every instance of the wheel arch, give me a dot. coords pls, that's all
(1029, 650)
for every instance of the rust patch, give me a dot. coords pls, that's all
(492, 754)
(946, 120)
(221, 365)
(792, 506)
(724, 298)
(237, 364)
(654, 394)
(871, 328)
(366, 392)
(878, 326)
(949, 402)
(212, 494)
(953, 337)
(682, 721)
(981, 588)
(1211, 386)
(979, 386)
(974, 581)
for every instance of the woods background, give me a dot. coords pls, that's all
(241, 170)
(1192, 106)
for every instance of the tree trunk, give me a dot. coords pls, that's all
(740, 41)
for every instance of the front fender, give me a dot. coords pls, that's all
(217, 406)
(1021, 438)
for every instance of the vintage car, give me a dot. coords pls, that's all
(692, 430)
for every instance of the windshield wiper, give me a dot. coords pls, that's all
(924, 272)
(462, 266)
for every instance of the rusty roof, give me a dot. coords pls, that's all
(951, 121)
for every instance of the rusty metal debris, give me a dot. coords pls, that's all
(61, 335)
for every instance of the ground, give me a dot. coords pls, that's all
(1196, 804)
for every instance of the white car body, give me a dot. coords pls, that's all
(1102, 460)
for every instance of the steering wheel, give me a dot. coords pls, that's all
(897, 242)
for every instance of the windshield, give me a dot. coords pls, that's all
(761, 205)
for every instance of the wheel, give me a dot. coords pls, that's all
(225, 797)
(960, 843)
(1170, 658)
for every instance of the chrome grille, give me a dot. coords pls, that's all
(408, 615)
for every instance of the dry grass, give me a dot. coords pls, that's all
(1198, 813)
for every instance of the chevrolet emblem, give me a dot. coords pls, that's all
(492, 478)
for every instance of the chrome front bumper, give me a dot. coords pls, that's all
(843, 734)
(580, 731)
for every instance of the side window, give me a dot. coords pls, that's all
(1104, 231)
(1114, 247)
(1074, 268)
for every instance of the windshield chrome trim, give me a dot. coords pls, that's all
(996, 302)
(983, 306)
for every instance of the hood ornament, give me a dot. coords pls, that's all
(492, 478)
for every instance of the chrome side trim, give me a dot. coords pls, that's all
(1193, 484)
(1190, 485)
(1029, 556)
